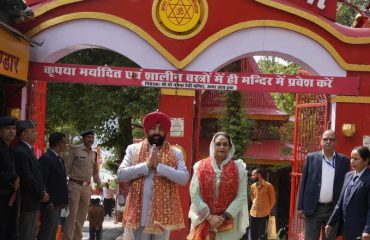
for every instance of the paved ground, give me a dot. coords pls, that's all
(111, 229)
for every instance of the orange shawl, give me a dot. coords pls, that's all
(165, 211)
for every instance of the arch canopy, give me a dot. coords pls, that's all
(345, 46)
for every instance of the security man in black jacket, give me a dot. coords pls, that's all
(9, 182)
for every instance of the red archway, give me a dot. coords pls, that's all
(286, 28)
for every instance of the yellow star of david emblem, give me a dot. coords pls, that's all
(180, 13)
(180, 19)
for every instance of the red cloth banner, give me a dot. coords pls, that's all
(223, 81)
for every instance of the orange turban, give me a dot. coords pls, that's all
(157, 117)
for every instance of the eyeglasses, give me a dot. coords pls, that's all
(329, 139)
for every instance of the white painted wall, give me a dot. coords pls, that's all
(69, 37)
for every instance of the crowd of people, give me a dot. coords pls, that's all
(329, 192)
(332, 199)
(38, 190)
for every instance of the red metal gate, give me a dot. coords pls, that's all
(311, 120)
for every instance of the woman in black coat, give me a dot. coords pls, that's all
(353, 208)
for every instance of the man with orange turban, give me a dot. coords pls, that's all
(154, 168)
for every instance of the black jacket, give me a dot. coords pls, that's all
(28, 170)
(7, 177)
(358, 209)
(54, 177)
(311, 181)
(7, 170)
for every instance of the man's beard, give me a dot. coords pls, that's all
(156, 139)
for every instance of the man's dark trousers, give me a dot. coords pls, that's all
(96, 234)
(27, 225)
(7, 220)
(316, 222)
(258, 228)
(50, 219)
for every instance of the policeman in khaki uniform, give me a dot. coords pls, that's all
(81, 166)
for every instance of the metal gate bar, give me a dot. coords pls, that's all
(310, 122)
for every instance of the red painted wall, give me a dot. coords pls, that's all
(355, 113)
(358, 114)
(181, 107)
(364, 81)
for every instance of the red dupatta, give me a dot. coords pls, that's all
(219, 201)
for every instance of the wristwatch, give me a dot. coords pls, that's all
(226, 216)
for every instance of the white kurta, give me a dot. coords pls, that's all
(127, 172)
(238, 208)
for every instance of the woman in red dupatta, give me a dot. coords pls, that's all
(218, 192)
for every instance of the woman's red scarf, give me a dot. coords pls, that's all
(217, 203)
(165, 211)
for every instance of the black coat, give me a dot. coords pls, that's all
(7, 170)
(54, 177)
(358, 209)
(311, 181)
(7, 177)
(28, 170)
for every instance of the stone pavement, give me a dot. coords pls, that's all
(111, 229)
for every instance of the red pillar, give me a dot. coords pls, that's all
(179, 106)
(353, 110)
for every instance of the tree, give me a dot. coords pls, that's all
(110, 110)
(235, 123)
(272, 65)
(348, 9)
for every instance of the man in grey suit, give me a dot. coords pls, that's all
(321, 183)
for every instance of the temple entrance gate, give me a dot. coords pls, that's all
(273, 28)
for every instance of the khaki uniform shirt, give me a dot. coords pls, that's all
(82, 164)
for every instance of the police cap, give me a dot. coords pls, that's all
(7, 121)
(88, 132)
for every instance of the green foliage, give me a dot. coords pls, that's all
(112, 162)
(277, 66)
(345, 14)
(138, 130)
(277, 167)
(273, 129)
(235, 123)
(272, 65)
(287, 137)
(138, 133)
(109, 110)
(114, 184)
(285, 102)
(348, 9)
